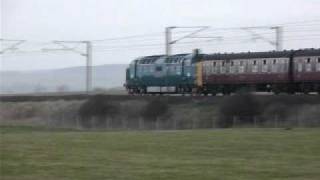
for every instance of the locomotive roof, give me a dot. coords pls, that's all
(153, 59)
(175, 58)
(148, 59)
(268, 54)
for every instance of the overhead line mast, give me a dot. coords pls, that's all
(87, 54)
(278, 42)
(13, 46)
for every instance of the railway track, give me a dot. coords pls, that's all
(83, 96)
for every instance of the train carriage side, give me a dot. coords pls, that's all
(260, 71)
(307, 70)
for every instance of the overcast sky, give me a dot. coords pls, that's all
(44, 20)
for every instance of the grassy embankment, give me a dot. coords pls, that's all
(37, 154)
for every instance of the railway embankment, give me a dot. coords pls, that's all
(161, 112)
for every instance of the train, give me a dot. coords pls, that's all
(288, 71)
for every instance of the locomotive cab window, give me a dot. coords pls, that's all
(151, 69)
(158, 68)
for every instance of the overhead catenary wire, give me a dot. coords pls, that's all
(303, 29)
(234, 38)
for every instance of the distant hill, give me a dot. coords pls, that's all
(66, 79)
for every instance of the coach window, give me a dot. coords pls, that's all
(274, 61)
(255, 67)
(213, 68)
(205, 67)
(264, 67)
(308, 60)
(231, 68)
(222, 68)
(308, 65)
(318, 64)
(241, 67)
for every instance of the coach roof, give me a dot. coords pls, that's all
(307, 52)
(247, 55)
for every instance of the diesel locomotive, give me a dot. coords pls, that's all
(273, 71)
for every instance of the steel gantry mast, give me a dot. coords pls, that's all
(277, 42)
(87, 54)
(192, 34)
(13, 47)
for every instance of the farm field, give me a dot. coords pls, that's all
(29, 153)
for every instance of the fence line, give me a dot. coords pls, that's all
(160, 123)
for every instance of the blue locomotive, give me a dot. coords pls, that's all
(162, 74)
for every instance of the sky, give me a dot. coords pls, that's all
(41, 21)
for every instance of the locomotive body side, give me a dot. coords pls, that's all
(161, 74)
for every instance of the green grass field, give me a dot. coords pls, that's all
(241, 154)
